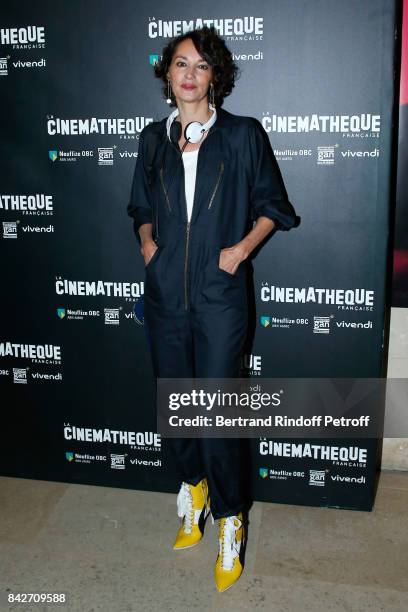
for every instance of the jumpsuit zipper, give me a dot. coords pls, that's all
(186, 303)
(185, 267)
(186, 255)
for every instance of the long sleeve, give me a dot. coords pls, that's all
(268, 194)
(140, 205)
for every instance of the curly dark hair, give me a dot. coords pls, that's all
(213, 50)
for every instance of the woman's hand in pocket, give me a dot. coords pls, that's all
(231, 257)
(148, 249)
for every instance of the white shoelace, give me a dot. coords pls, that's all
(185, 506)
(229, 547)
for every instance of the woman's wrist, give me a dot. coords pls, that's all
(244, 248)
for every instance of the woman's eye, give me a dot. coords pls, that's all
(180, 64)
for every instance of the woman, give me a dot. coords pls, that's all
(197, 190)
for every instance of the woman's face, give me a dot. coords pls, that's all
(189, 73)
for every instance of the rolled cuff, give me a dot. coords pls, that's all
(283, 215)
(139, 218)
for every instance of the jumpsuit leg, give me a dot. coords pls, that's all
(218, 340)
(172, 357)
(203, 344)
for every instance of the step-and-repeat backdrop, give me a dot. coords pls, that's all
(77, 87)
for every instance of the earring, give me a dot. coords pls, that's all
(168, 92)
(212, 96)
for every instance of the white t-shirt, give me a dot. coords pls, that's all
(190, 171)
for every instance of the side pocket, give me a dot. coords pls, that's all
(227, 274)
(153, 258)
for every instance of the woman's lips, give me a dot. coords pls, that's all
(188, 87)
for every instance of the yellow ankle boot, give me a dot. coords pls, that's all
(193, 507)
(228, 567)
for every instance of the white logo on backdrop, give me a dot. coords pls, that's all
(364, 123)
(29, 37)
(29, 204)
(98, 288)
(313, 451)
(317, 295)
(111, 126)
(34, 352)
(237, 28)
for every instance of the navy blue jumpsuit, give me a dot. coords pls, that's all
(196, 313)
